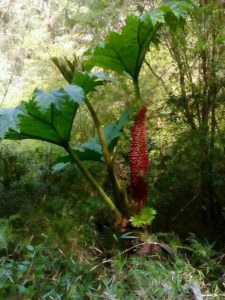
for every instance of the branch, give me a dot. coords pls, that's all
(158, 78)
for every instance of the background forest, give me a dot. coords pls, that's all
(57, 240)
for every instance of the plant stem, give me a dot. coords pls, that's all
(109, 163)
(137, 93)
(91, 179)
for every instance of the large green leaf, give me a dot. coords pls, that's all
(124, 52)
(89, 81)
(179, 8)
(47, 116)
(91, 150)
(9, 119)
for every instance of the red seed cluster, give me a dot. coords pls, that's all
(139, 159)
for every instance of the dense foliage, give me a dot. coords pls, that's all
(159, 171)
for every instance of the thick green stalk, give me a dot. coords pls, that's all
(92, 180)
(109, 163)
(137, 93)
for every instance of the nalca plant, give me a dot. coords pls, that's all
(49, 116)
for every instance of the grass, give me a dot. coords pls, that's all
(56, 243)
(44, 268)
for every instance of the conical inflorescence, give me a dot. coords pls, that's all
(139, 159)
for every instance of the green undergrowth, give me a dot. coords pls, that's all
(57, 242)
(45, 266)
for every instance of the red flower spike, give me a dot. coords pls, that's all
(139, 159)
